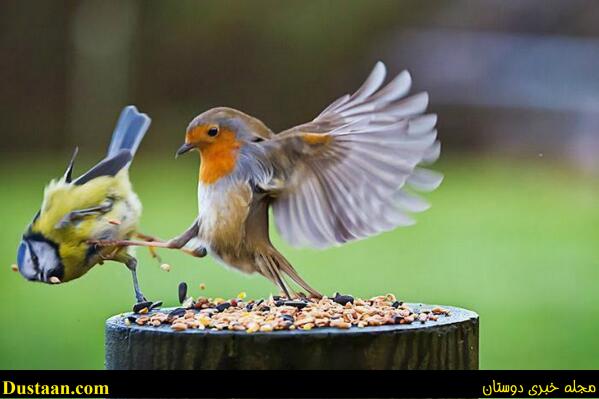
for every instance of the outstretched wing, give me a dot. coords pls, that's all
(353, 171)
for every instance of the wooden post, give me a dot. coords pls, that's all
(451, 342)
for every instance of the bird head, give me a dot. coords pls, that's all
(222, 127)
(38, 260)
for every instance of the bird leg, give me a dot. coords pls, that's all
(275, 277)
(284, 266)
(146, 237)
(131, 264)
(153, 242)
(182, 239)
(152, 250)
(198, 252)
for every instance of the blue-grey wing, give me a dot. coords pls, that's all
(130, 129)
(108, 167)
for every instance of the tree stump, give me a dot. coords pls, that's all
(451, 342)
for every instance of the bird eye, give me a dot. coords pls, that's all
(213, 131)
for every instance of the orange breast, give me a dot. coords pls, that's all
(218, 159)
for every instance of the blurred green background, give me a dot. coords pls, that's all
(513, 230)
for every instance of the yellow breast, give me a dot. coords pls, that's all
(61, 198)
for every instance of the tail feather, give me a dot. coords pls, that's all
(129, 131)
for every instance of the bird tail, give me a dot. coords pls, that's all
(129, 131)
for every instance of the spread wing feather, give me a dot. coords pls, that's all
(354, 170)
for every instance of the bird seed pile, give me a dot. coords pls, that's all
(280, 313)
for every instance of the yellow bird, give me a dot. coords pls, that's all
(99, 205)
(350, 173)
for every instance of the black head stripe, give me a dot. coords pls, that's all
(33, 255)
(40, 237)
(28, 238)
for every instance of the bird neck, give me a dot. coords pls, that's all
(218, 159)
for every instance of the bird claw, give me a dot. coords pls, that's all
(145, 304)
(175, 243)
(199, 252)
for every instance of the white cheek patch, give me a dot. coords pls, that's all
(26, 266)
(47, 260)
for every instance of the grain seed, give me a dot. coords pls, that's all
(179, 326)
(165, 267)
(279, 313)
(439, 310)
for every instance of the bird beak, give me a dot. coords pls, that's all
(184, 148)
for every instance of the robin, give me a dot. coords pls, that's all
(350, 173)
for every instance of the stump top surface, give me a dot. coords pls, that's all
(456, 316)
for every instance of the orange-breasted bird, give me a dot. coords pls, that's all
(350, 173)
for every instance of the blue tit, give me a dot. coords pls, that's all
(99, 205)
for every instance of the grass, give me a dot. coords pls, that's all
(514, 241)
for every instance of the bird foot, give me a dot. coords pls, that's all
(145, 304)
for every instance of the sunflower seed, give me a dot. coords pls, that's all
(343, 299)
(138, 307)
(182, 291)
(176, 313)
(272, 315)
(295, 304)
(223, 306)
(188, 303)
